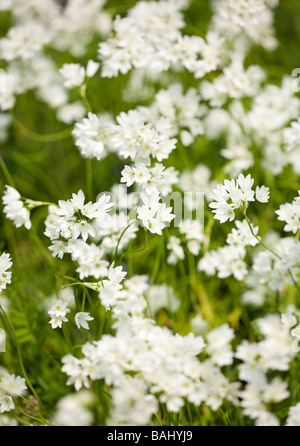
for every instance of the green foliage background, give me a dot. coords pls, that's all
(53, 170)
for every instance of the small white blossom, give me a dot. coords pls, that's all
(262, 194)
(58, 313)
(13, 385)
(6, 403)
(234, 194)
(5, 276)
(73, 74)
(290, 214)
(15, 208)
(81, 319)
(92, 68)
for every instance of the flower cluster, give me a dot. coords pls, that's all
(143, 302)
(75, 74)
(290, 214)
(11, 386)
(236, 194)
(58, 314)
(90, 134)
(165, 365)
(73, 218)
(74, 409)
(260, 359)
(15, 208)
(251, 19)
(280, 269)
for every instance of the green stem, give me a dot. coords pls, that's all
(43, 420)
(30, 416)
(271, 250)
(19, 353)
(259, 239)
(35, 204)
(157, 262)
(122, 233)
(189, 414)
(158, 420)
(85, 284)
(193, 275)
(37, 137)
(70, 278)
(136, 250)
(89, 178)
(83, 299)
(67, 338)
(82, 93)
(8, 176)
(131, 269)
(21, 421)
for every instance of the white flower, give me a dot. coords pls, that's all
(90, 135)
(25, 40)
(13, 385)
(177, 252)
(81, 319)
(275, 391)
(154, 214)
(290, 214)
(58, 313)
(71, 112)
(252, 19)
(242, 235)
(146, 37)
(74, 409)
(162, 296)
(291, 136)
(274, 271)
(6, 403)
(139, 174)
(58, 248)
(295, 332)
(89, 258)
(73, 218)
(15, 209)
(91, 68)
(73, 74)
(138, 139)
(294, 416)
(234, 194)
(223, 211)
(226, 260)
(288, 320)
(218, 344)
(5, 276)
(262, 194)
